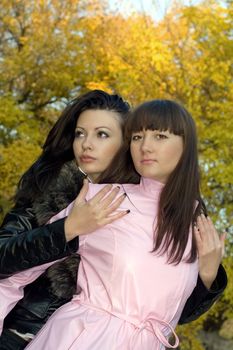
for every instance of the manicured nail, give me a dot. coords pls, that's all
(128, 211)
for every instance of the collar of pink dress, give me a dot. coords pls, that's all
(151, 187)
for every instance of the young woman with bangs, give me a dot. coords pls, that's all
(137, 273)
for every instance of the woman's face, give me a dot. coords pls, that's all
(156, 153)
(98, 137)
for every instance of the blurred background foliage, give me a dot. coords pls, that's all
(53, 50)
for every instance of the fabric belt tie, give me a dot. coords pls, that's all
(151, 324)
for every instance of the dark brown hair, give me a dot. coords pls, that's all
(58, 146)
(180, 200)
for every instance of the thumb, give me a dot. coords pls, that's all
(222, 240)
(82, 194)
(223, 237)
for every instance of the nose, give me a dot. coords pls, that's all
(146, 145)
(87, 143)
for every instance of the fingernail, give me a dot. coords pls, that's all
(128, 211)
(118, 187)
(125, 194)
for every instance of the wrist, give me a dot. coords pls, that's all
(207, 280)
(70, 232)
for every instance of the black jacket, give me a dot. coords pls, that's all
(25, 241)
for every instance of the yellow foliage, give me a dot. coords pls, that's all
(188, 335)
(98, 85)
(14, 161)
(54, 50)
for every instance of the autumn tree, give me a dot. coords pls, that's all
(42, 65)
(188, 57)
(51, 51)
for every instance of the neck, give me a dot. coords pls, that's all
(89, 178)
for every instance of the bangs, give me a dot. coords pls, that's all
(161, 115)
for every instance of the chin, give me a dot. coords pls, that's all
(149, 174)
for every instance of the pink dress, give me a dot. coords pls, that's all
(131, 298)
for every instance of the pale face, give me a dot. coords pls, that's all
(156, 153)
(98, 137)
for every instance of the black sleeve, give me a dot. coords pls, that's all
(23, 244)
(202, 298)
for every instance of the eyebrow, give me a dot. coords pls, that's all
(99, 127)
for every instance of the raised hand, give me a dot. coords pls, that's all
(87, 216)
(210, 247)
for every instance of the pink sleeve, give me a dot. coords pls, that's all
(65, 212)
(11, 288)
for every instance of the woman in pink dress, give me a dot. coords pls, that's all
(136, 273)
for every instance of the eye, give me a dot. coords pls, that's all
(79, 134)
(136, 137)
(102, 134)
(161, 136)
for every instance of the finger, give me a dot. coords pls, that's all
(100, 195)
(223, 237)
(212, 230)
(222, 240)
(82, 194)
(200, 226)
(115, 205)
(115, 217)
(205, 224)
(205, 228)
(198, 237)
(109, 198)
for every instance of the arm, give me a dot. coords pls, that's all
(202, 298)
(212, 279)
(12, 289)
(23, 244)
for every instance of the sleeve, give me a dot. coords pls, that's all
(202, 299)
(12, 289)
(24, 245)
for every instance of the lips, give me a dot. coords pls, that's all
(87, 159)
(147, 161)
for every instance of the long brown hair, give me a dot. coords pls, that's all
(58, 146)
(180, 200)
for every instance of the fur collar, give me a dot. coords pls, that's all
(62, 276)
(61, 191)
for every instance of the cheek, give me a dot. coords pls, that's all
(175, 154)
(133, 152)
(105, 159)
(76, 148)
(109, 151)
